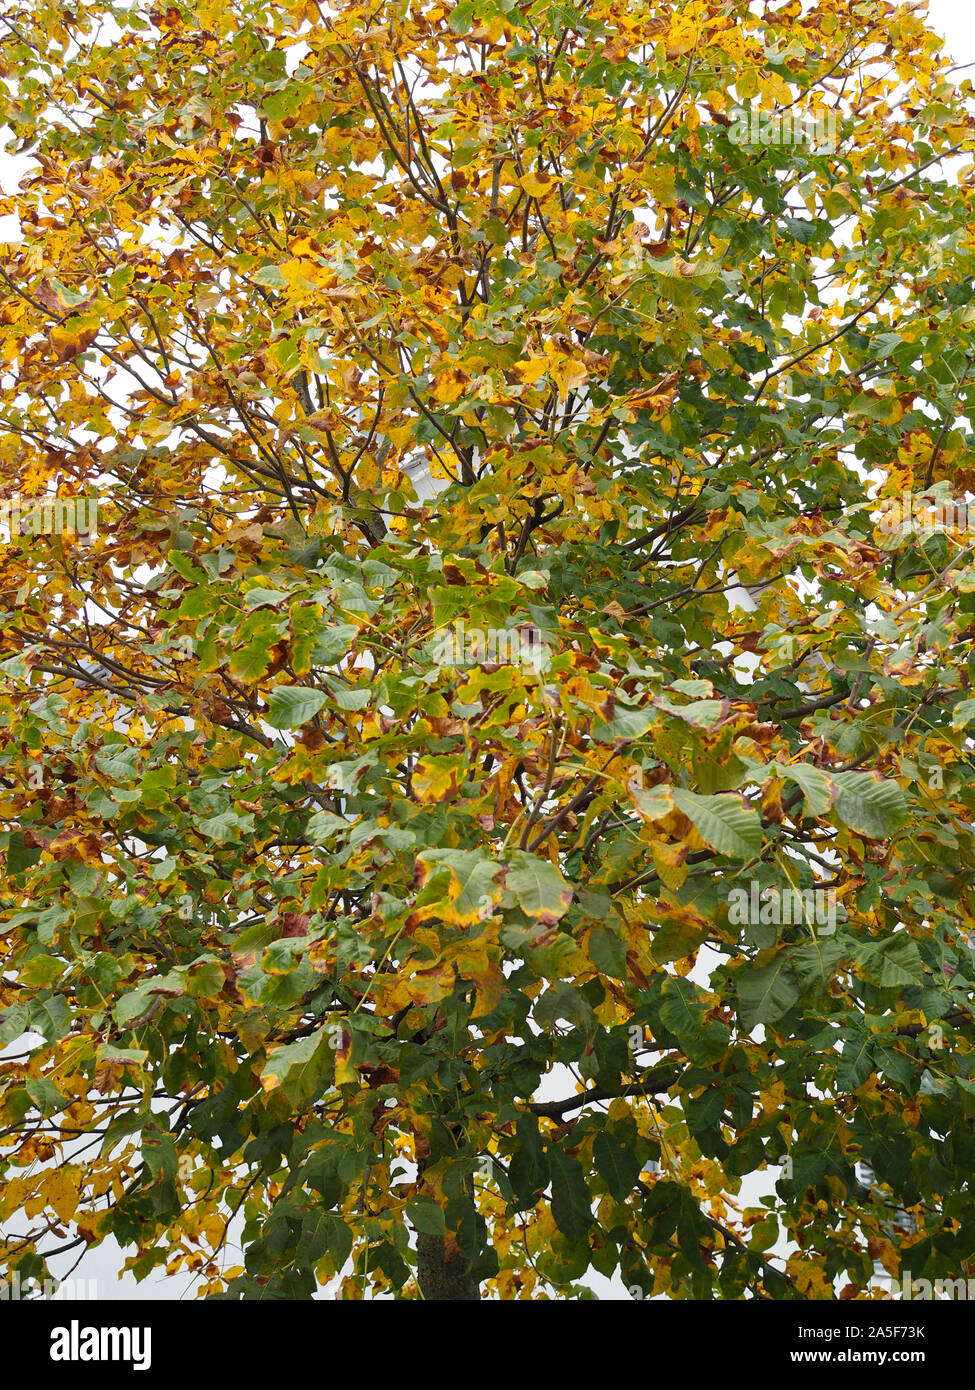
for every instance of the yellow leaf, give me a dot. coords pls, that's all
(300, 274)
(62, 1188)
(70, 342)
(449, 385)
(538, 185)
(670, 862)
(425, 987)
(345, 1072)
(475, 963)
(530, 369)
(568, 374)
(436, 779)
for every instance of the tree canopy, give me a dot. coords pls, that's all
(510, 582)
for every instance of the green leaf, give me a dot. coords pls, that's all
(265, 598)
(45, 1095)
(891, 963)
(340, 1239)
(607, 952)
(875, 407)
(767, 992)
(764, 1234)
(41, 970)
(185, 567)
(570, 1196)
(626, 724)
(537, 887)
(299, 1067)
(426, 1216)
(13, 1023)
(134, 1055)
(617, 1163)
(562, 1001)
(270, 277)
(159, 1153)
(118, 763)
(20, 856)
(815, 962)
(682, 1012)
(50, 1017)
(802, 229)
(725, 823)
(291, 706)
(346, 699)
(225, 826)
(869, 804)
(963, 714)
(332, 642)
(461, 17)
(702, 714)
(818, 789)
(463, 882)
(529, 1168)
(253, 642)
(855, 1063)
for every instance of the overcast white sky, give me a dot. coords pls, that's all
(99, 1270)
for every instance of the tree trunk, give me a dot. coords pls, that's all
(442, 1269)
(443, 1279)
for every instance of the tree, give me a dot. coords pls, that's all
(496, 775)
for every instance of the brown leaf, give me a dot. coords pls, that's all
(51, 298)
(294, 924)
